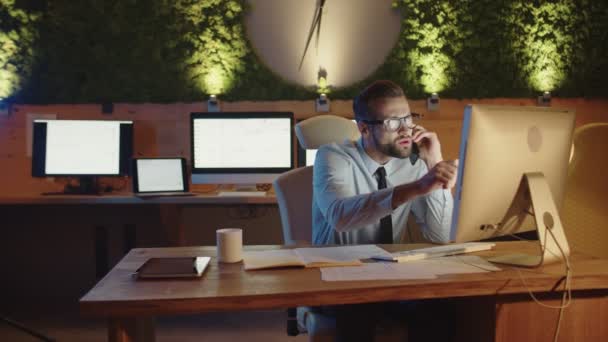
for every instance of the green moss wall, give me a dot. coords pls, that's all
(65, 51)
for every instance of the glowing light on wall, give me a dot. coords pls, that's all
(17, 35)
(9, 79)
(428, 26)
(215, 81)
(545, 35)
(323, 87)
(219, 51)
(432, 65)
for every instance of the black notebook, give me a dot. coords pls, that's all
(180, 267)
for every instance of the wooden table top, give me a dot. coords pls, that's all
(226, 287)
(129, 198)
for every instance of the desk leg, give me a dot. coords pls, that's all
(130, 237)
(131, 329)
(519, 318)
(171, 219)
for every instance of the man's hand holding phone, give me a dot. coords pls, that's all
(428, 146)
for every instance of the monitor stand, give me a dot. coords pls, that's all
(533, 197)
(87, 185)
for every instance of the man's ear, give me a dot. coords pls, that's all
(363, 128)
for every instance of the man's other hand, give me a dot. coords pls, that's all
(442, 176)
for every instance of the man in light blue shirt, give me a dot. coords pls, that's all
(364, 191)
(349, 204)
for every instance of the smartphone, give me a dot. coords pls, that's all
(415, 153)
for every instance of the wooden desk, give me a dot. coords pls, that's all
(497, 305)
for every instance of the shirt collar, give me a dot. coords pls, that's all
(371, 164)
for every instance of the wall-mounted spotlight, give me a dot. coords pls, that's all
(322, 103)
(213, 104)
(432, 103)
(107, 108)
(544, 99)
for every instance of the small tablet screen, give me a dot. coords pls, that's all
(160, 175)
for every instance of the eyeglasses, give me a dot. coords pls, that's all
(394, 124)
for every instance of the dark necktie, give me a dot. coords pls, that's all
(386, 223)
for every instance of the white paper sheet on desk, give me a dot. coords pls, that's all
(376, 271)
(356, 252)
(420, 269)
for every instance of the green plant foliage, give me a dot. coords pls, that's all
(489, 48)
(17, 35)
(485, 66)
(184, 50)
(429, 41)
(545, 38)
(589, 70)
(110, 50)
(222, 62)
(215, 34)
(148, 51)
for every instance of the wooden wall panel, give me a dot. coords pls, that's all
(163, 129)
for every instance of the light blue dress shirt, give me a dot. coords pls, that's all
(347, 205)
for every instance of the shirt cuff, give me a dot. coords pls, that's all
(442, 194)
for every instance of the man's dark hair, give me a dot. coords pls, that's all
(377, 90)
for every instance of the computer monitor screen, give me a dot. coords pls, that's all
(498, 145)
(241, 148)
(306, 157)
(81, 147)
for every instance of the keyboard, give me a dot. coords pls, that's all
(241, 193)
(437, 251)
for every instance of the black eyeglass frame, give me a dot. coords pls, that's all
(414, 116)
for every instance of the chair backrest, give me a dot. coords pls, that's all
(324, 129)
(294, 188)
(585, 209)
(294, 196)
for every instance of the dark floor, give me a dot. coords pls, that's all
(67, 325)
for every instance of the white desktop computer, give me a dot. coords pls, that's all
(512, 172)
(241, 148)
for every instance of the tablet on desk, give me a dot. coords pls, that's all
(154, 177)
(173, 267)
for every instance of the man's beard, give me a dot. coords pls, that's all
(391, 149)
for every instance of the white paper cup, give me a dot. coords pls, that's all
(229, 244)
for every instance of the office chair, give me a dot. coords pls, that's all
(325, 129)
(584, 213)
(294, 188)
(294, 196)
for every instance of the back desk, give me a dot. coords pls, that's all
(170, 208)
